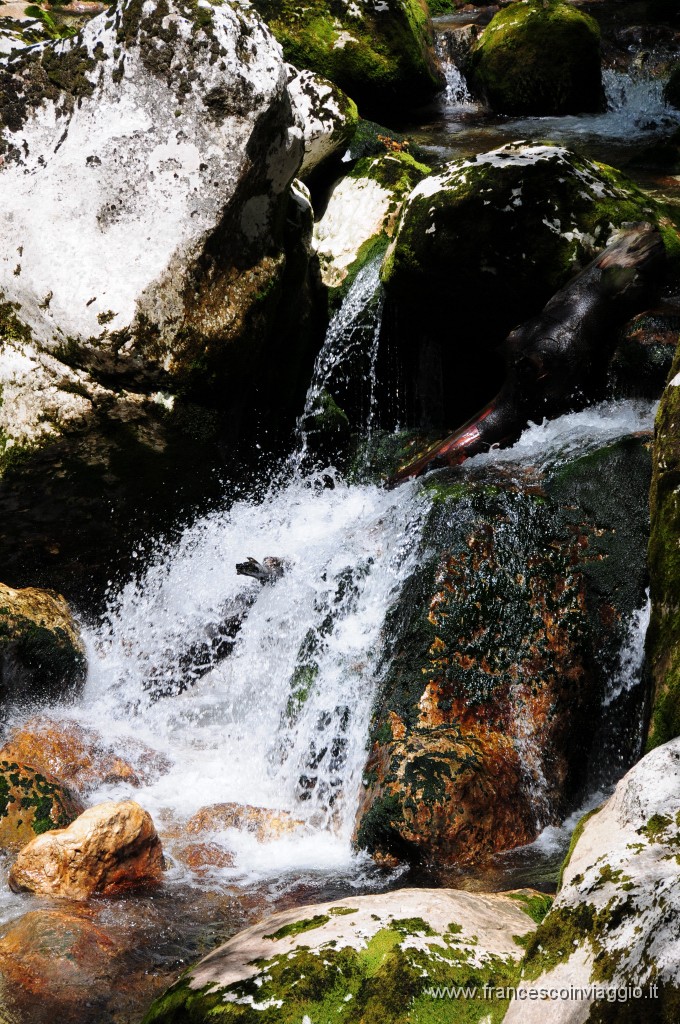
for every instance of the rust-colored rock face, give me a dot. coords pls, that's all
(263, 822)
(80, 756)
(500, 648)
(31, 803)
(110, 848)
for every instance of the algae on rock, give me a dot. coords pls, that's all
(539, 57)
(381, 54)
(482, 246)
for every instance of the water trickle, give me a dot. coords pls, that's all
(345, 368)
(631, 657)
(456, 94)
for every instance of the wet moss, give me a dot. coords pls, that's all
(540, 57)
(535, 906)
(297, 927)
(382, 58)
(31, 804)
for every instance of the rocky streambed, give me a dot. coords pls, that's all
(282, 741)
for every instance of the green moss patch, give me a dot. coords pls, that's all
(540, 57)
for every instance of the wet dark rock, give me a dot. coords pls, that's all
(268, 570)
(483, 246)
(500, 648)
(42, 656)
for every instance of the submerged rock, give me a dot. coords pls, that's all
(110, 848)
(500, 649)
(81, 756)
(539, 57)
(264, 822)
(380, 54)
(31, 803)
(368, 958)
(42, 656)
(613, 924)
(481, 247)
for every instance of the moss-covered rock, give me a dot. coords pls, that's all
(41, 653)
(501, 645)
(539, 57)
(663, 637)
(380, 54)
(613, 923)
(369, 960)
(329, 117)
(32, 803)
(672, 90)
(481, 247)
(362, 214)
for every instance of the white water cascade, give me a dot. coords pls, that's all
(456, 94)
(243, 732)
(347, 360)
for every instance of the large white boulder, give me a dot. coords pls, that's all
(144, 174)
(612, 934)
(328, 116)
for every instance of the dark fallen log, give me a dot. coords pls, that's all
(556, 362)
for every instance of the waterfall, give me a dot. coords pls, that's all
(637, 102)
(345, 368)
(456, 94)
(282, 722)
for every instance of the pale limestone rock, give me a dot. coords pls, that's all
(624, 872)
(328, 116)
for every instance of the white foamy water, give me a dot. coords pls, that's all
(456, 95)
(553, 442)
(631, 656)
(232, 734)
(348, 356)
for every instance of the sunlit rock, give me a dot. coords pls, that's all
(328, 117)
(366, 958)
(614, 922)
(41, 652)
(32, 803)
(110, 848)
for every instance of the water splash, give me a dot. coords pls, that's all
(255, 727)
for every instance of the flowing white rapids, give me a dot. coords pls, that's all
(243, 732)
(456, 95)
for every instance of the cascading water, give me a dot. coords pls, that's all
(456, 94)
(345, 368)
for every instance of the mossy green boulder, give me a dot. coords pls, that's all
(480, 248)
(663, 637)
(366, 960)
(498, 655)
(32, 803)
(539, 57)
(42, 656)
(380, 53)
